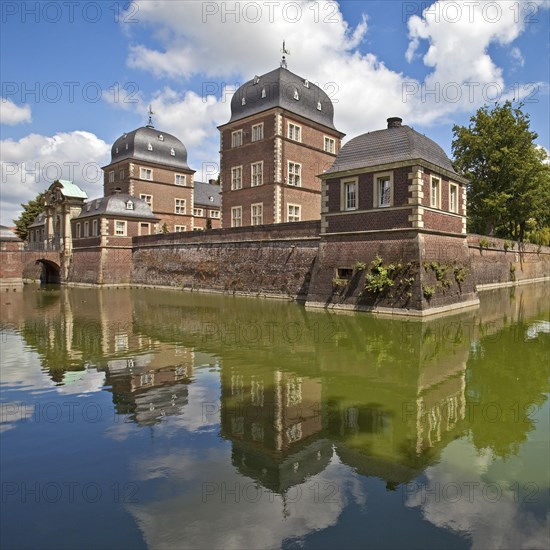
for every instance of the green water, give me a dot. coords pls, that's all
(163, 419)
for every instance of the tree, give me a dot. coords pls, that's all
(509, 174)
(30, 211)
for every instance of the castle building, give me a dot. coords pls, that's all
(396, 179)
(280, 135)
(152, 165)
(393, 199)
(207, 202)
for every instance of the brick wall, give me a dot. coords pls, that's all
(256, 260)
(11, 266)
(497, 261)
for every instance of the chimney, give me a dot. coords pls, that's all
(394, 122)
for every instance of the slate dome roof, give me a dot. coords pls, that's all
(116, 205)
(151, 145)
(394, 144)
(280, 88)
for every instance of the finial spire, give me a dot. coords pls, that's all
(285, 52)
(150, 123)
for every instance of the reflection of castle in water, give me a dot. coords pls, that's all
(382, 415)
(151, 386)
(383, 397)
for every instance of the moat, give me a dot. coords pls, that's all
(137, 418)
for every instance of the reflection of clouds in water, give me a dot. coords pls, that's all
(21, 366)
(459, 495)
(13, 412)
(207, 514)
(88, 381)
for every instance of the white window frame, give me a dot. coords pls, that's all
(121, 232)
(78, 231)
(86, 229)
(147, 198)
(294, 132)
(95, 226)
(180, 206)
(215, 214)
(121, 174)
(292, 174)
(236, 221)
(258, 131)
(331, 142)
(257, 173)
(454, 187)
(435, 198)
(141, 224)
(296, 216)
(145, 174)
(178, 178)
(257, 213)
(180, 228)
(345, 185)
(236, 182)
(377, 178)
(112, 176)
(199, 212)
(236, 138)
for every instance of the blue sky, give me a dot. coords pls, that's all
(67, 69)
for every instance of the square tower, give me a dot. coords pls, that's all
(280, 136)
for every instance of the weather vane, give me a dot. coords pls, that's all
(284, 51)
(150, 123)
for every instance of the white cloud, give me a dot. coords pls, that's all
(517, 56)
(13, 114)
(460, 495)
(212, 40)
(32, 163)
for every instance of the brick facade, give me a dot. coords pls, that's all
(162, 189)
(275, 150)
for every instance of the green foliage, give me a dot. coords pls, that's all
(512, 272)
(360, 266)
(428, 291)
(337, 282)
(508, 173)
(164, 228)
(30, 211)
(483, 243)
(439, 270)
(379, 279)
(460, 274)
(506, 246)
(540, 236)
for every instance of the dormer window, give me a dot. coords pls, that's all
(97, 203)
(319, 106)
(263, 92)
(306, 83)
(256, 79)
(116, 150)
(243, 101)
(161, 137)
(129, 205)
(126, 147)
(88, 206)
(172, 152)
(149, 147)
(296, 94)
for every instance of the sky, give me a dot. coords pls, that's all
(77, 75)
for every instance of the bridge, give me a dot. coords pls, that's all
(31, 261)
